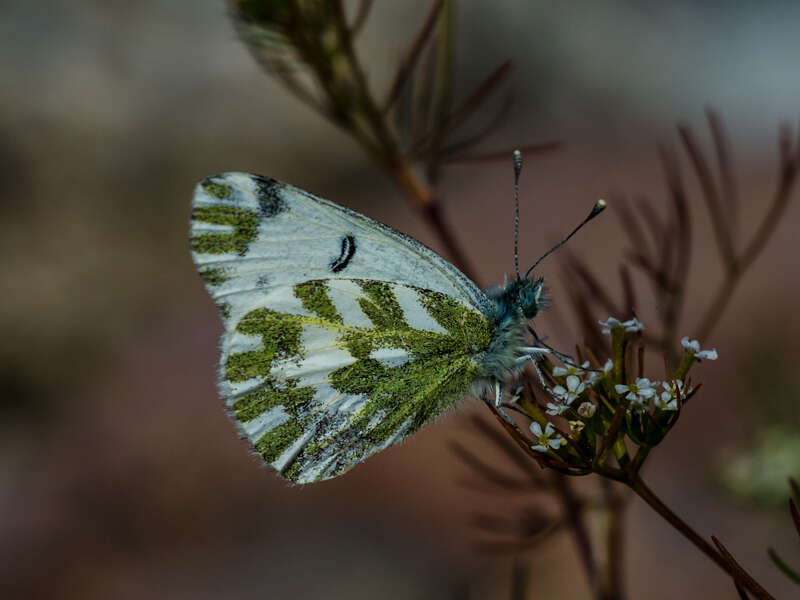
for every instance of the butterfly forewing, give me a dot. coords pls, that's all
(342, 335)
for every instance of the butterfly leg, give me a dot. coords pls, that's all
(498, 403)
(565, 358)
(547, 388)
(534, 351)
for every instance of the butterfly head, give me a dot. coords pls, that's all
(529, 296)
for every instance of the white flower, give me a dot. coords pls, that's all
(609, 324)
(637, 393)
(693, 347)
(574, 389)
(570, 370)
(556, 409)
(594, 376)
(587, 410)
(633, 325)
(547, 438)
(630, 326)
(668, 400)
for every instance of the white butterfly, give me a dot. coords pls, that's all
(342, 335)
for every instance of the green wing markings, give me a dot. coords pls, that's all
(218, 190)
(381, 306)
(402, 398)
(243, 221)
(453, 317)
(280, 335)
(419, 390)
(215, 276)
(315, 299)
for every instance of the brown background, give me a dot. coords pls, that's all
(121, 477)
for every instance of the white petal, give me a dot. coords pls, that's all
(572, 383)
(536, 429)
(692, 346)
(708, 354)
(539, 448)
(559, 371)
(620, 388)
(632, 326)
(610, 322)
(548, 430)
(556, 443)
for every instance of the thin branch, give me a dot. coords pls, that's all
(409, 62)
(783, 566)
(790, 164)
(580, 534)
(432, 212)
(476, 99)
(741, 576)
(725, 165)
(468, 106)
(509, 448)
(450, 152)
(719, 216)
(488, 473)
(364, 8)
(721, 557)
(615, 540)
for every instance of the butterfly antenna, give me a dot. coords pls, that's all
(516, 156)
(596, 210)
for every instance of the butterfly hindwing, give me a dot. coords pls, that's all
(356, 367)
(342, 336)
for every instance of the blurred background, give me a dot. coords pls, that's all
(121, 476)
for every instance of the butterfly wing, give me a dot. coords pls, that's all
(342, 336)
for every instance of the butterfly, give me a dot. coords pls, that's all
(343, 336)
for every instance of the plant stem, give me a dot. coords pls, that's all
(645, 493)
(614, 533)
(574, 517)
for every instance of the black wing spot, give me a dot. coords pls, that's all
(270, 202)
(348, 250)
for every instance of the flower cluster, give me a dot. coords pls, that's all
(604, 404)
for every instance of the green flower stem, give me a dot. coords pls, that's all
(639, 458)
(618, 354)
(645, 493)
(683, 369)
(621, 451)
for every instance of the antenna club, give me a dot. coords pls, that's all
(516, 157)
(598, 207)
